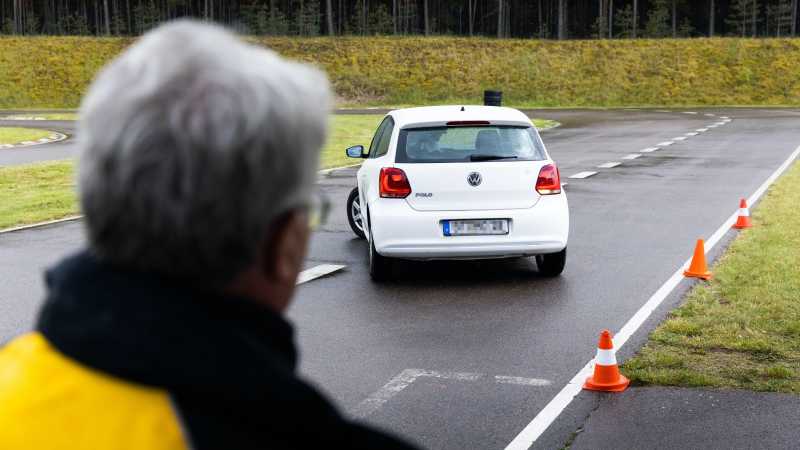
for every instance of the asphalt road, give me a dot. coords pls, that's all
(464, 355)
(24, 155)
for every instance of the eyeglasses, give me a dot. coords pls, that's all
(318, 209)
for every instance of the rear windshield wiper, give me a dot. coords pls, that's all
(478, 157)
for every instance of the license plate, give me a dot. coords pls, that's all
(475, 227)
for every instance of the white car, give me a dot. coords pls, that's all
(458, 182)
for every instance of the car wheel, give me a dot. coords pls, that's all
(380, 267)
(354, 216)
(552, 264)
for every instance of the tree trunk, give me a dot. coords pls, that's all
(541, 21)
(427, 22)
(470, 16)
(107, 17)
(329, 13)
(499, 18)
(635, 18)
(755, 19)
(611, 19)
(562, 20)
(794, 18)
(711, 20)
(674, 19)
(394, 16)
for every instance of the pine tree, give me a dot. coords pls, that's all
(625, 23)
(658, 20)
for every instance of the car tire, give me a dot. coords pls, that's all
(354, 217)
(380, 267)
(552, 264)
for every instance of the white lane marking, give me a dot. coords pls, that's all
(521, 381)
(6, 146)
(724, 117)
(375, 401)
(586, 174)
(609, 165)
(713, 126)
(40, 224)
(693, 133)
(679, 138)
(708, 115)
(701, 130)
(648, 150)
(317, 271)
(664, 144)
(689, 112)
(27, 143)
(632, 156)
(552, 410)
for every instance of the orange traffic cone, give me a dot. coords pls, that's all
(606, 376)
(744, 216)
(698, 268)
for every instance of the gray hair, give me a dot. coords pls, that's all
(192, 144)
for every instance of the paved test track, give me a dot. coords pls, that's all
(475, 350)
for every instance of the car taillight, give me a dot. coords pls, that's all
(549, 181)
(394, 183)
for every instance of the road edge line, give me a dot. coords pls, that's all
(542, 421)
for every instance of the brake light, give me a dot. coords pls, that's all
(549, 181)
(467, 123)
(394, 183)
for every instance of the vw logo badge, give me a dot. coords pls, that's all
(474, 179)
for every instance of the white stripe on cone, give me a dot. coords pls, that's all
(744, 212)
(605, 357)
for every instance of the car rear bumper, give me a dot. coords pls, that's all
(402, 232)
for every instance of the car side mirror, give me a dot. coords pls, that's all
(356, 151)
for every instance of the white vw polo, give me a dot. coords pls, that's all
(458, 182)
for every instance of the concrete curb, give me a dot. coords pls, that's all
(40, 224)
(53, 137)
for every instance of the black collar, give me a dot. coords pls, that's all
(161, 332)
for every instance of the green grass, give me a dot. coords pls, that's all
(346, 131)
(45, 116)
(54, 72)
(741, 329)
(15, 135)
(36, 193)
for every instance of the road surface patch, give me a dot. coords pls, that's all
(564, 397)
(581, 175)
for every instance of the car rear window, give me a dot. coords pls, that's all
(469, 144)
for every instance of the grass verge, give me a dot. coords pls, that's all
(15, 135)
(39, 192)
(36, 193)
(741, 329)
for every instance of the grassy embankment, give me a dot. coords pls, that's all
(15, 135)
(741, 329)
(53, 72)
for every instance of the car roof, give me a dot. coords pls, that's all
(440, 115)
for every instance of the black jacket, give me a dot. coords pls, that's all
(228, 364)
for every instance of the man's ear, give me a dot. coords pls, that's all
(284, 250)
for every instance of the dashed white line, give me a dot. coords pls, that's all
(689, 112)
(648, 149)
(679, 138)
(609, 165)
(586, 174)
(553, 409)
(693, 133)
(632, 156)
(664, 144)
(317, 271)
(701, 130)
(708, 115)
(521, 381)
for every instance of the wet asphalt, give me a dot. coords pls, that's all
(477, 349)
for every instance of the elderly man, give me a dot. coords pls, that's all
(198, 157)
